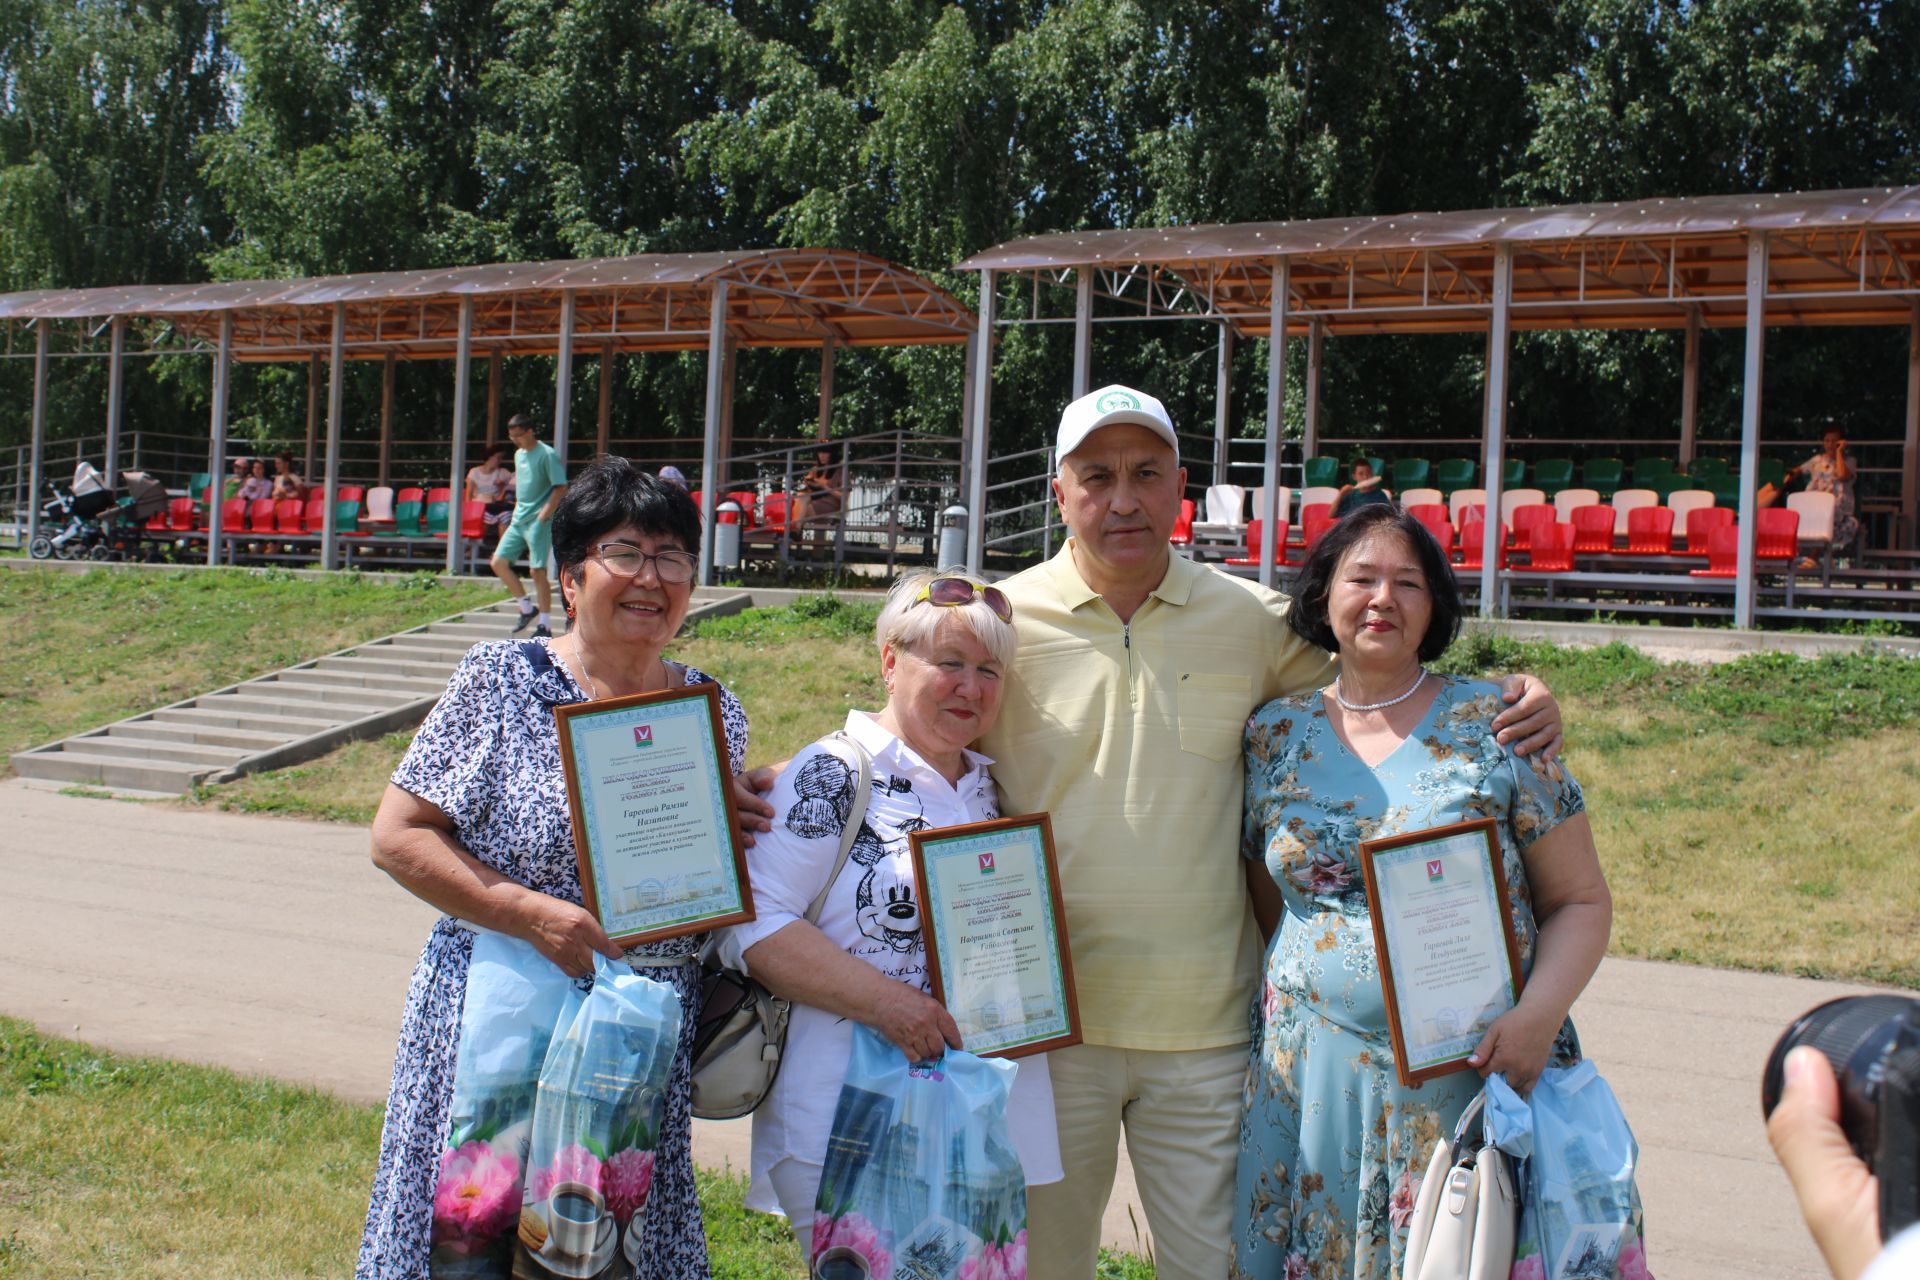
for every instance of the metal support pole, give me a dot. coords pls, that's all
(1910, 459)
(42, 336)
(1276, 415)
(563, 380)
(1222, 406)
(1750, 410)
(1498, 335)
(1310, 437)
(336, 407)
(313, 418)
(115, 354)
(1690, 390)
(710, 437)
(493, 399)
(728, 367)
(222, 367)
(456, 478)
(1083, 332)
(604, 427)
(826, 389)
(389, 369)
(982, 352)
(965, 486)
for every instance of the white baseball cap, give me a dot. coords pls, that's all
(1107, 407)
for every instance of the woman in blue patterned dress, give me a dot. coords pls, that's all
(1333, 1147)
(476, 823)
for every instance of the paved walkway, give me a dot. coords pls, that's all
(274, 946)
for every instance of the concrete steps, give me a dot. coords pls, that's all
(286, 716)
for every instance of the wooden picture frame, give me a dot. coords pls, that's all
(688, 785)
(983, 940)
(1458, 962)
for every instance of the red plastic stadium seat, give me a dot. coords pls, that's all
(749, 505)
(1434, 516)
(695, 495)
(1182, 534)
(1529, 517)
(1650, 531)
(289, 516)
(1551, 550)
(1314, 523)
(1255, 530)
(409, 495)
(1473, 536)
(260, 515)
(1313, 509)
(1723, 553)
(439, 495)
(233, 515)
(1593, 529)
(347, 493)
(316, 516)
(473, 520)
(1472, 513)
(1701, 522)
(179, 515)
(1776, 535)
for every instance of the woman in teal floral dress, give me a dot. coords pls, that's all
(1333, 1146)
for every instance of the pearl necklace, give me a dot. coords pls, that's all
(1378, 706)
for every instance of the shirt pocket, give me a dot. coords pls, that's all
(1213, 711)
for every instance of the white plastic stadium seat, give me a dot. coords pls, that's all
(1816, 515)
(1258, 510)
(1567, 501)
(1416, 497)
(1319, 493)
(1685, 500)
(1626, 500)
(1519, 498)
(379, 506)
(1464, 498)
(1226, 520)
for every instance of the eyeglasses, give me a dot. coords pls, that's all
(629, 561)
(949, 593)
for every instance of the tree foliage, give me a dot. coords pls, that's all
(157, 140)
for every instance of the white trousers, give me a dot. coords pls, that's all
(796, 1184)
(1181, 1113)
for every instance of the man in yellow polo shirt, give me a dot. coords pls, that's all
(1122, 718)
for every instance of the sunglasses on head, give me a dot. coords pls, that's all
(952, 592)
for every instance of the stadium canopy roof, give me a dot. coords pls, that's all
(1834, 257)
(656, 302)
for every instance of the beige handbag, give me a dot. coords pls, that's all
(742, 1029)
(1467, 1219)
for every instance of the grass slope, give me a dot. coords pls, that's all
(84, 649)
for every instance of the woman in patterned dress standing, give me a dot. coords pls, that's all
(1332, 1145)
(476, 823)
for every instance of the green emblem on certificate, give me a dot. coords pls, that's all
(653, 824)
(996, 934)
(1443, 930)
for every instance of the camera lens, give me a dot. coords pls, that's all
(1860, 1036)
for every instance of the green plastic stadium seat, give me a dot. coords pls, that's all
(1604, 475)
(1454, 473)
(1322, 471)
(1408, 473)
(1553, 475)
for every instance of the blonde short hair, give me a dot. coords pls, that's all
(907, 623)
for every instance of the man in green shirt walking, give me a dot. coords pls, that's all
(539, 478)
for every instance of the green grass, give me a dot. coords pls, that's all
(84, 649)
(116, 1165)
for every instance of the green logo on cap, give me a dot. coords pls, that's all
(1117, 400)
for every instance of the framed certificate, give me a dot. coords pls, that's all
(996, 935)
(1443, 928)
(653, 823)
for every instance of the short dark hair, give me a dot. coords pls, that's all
(522, 420)
(613, 494)
(1308, 617)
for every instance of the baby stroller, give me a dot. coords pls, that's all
(88, 522)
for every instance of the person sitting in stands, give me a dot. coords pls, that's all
(1831, 471)
(1363, 491)
(257, 485)
(489, 484)
(286, 481)
(242, 468)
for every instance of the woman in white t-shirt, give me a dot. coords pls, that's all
(946, 642)
(488, 483)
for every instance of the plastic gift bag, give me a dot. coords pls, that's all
(515, 998)
(921, 1180)
(596, 1121)
(1581, 1216)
